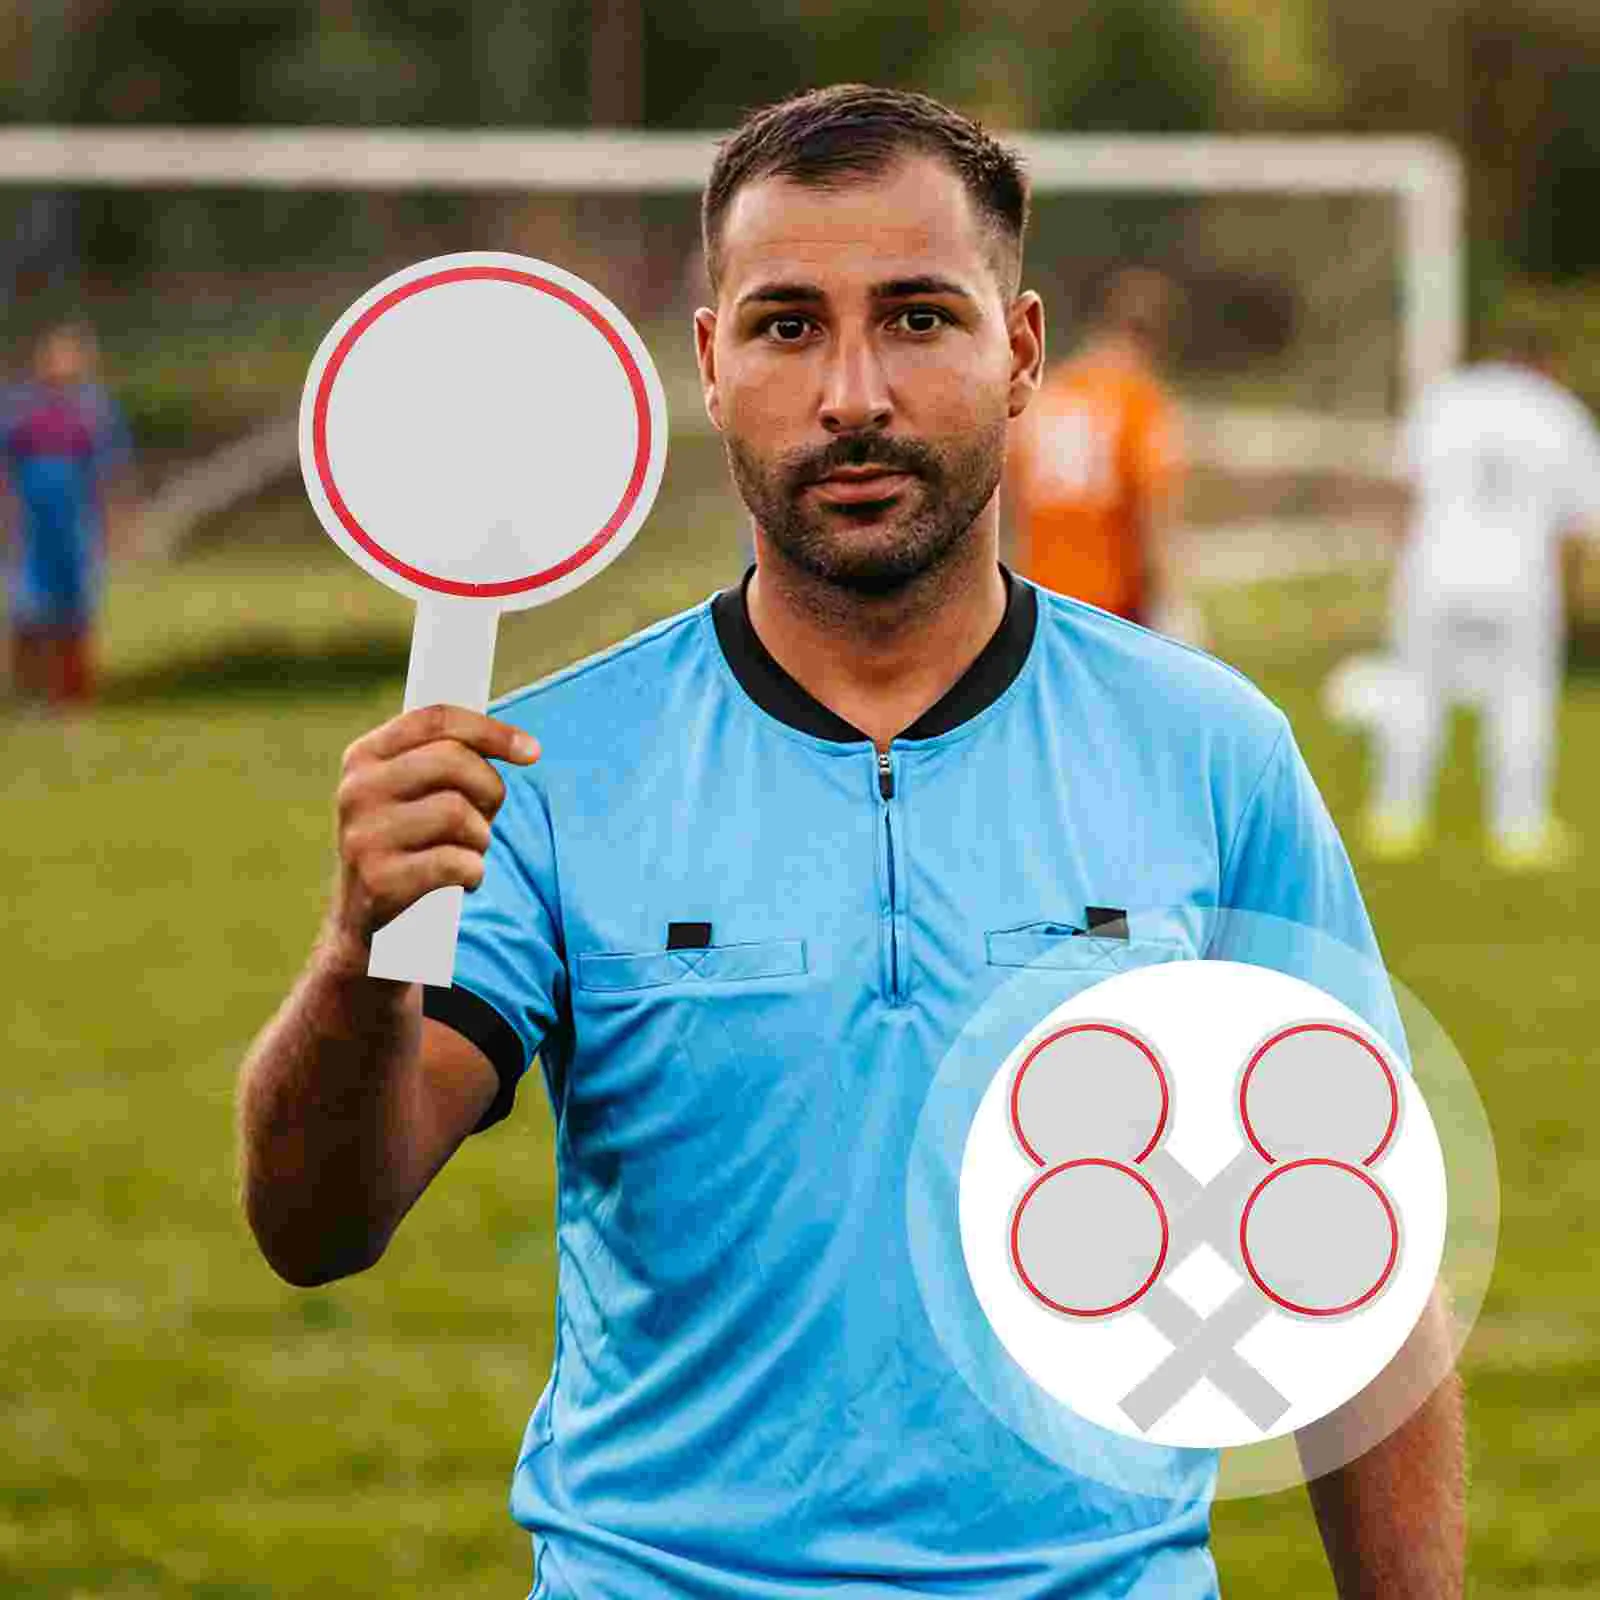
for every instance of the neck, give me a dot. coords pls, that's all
(879, 661)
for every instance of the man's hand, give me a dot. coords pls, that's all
(415, 803)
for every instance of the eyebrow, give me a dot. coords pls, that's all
(894, 289)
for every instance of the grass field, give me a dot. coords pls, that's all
(175, 1422)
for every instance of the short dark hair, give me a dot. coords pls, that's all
(827, 138)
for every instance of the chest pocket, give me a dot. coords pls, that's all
(605, 971)
(1055, 946)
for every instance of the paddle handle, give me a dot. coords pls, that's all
(452, 660)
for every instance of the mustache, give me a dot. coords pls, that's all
(895, 455)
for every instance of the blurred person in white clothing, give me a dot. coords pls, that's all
(1503, 465)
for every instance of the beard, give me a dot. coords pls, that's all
(872, 547)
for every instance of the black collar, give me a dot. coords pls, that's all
(989, 676)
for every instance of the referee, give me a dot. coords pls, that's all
(775, 853)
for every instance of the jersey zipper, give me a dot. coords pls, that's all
(886, 793)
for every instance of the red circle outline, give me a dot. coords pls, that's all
(1320, 1027)
(1088, 1027)
(319, 432)
(1016, 1226)
(1383, 1199)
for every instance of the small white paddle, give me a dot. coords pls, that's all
(481, 432)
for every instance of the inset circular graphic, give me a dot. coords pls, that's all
(1089, 1237)
(1092, 1089)
(1056, 1291)
(1319, 1088)
(1319, 1237)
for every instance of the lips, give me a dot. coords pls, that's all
(853, 485)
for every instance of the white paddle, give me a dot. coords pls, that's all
(481, 432)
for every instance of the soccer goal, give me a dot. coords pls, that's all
(1322, 280)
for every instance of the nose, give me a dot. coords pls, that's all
(855, 394)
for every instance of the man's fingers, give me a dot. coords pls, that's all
(446, 818)
(404, 879)
(433, 768)
(427, 724)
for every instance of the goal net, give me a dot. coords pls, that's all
(1320, 280)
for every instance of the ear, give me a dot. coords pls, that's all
(1025, 328)
(705, 355)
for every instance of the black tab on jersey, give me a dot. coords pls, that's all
(688, 935)
(1106, 922)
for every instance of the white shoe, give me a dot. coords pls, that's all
(1554, 847)
(1394, 836)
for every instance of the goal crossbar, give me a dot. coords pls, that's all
(1422, 175)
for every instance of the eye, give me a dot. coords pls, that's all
(922, 319)
(786, 329)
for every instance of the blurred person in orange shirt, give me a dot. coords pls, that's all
(1094, 467)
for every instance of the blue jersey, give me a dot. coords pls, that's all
(740, 944)
(58, 446)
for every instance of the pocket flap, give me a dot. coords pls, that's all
(717, 963)
(1059, 946)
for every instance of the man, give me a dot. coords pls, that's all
(739, 912)
(1504, 464)
(66, 452)
(1094, 468)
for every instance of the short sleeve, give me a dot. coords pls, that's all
(510, 991)
(1289, 898)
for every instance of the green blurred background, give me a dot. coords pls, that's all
(175, 1422)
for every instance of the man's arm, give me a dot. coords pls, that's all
(350, 1101)
(1400, 513)
(116, 475)
(1580, 530)
(120, 508)
(1392, 1517)
(1388, 1498)
(1156, 519)
(1156, 478)
(1403, 478)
